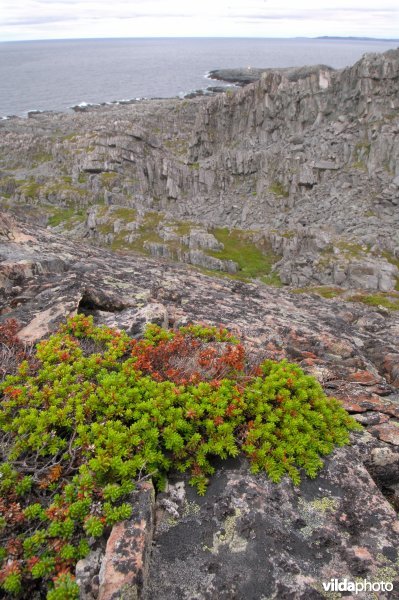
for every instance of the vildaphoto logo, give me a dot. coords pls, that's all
(345, 585)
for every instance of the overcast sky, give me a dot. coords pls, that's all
(49, 19)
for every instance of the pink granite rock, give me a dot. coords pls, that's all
(387, 432)
(125, 565)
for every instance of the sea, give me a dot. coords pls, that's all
(56, 75)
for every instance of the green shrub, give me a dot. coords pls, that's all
(94, 410)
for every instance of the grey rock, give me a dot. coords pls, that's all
(250, 538)
(199, 258)
(325, 165)
(87, 570)
(198, 238)
(158, 250)
(134, 320)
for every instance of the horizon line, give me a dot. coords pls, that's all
(199, 37)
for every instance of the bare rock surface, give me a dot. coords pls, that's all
(249, 538)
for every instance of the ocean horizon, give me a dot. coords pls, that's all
(54, 75)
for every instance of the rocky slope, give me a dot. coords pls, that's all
(247, 538)
(302, 166)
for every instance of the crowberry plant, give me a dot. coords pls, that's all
(95, 410)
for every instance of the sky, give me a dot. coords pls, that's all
(53, 19)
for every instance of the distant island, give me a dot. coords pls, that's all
(352, 37)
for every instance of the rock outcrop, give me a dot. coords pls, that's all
(306, 157)
(248, 538)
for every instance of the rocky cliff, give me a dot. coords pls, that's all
(301, 165)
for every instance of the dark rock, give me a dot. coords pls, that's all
(274, 540)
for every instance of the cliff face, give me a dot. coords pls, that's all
(308, 158)
(312, 152)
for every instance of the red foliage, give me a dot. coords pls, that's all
(12, 349)
(185, 359)
(8, 332)
(31, 562)
(14, 548)
(11, 568)
(11, 511)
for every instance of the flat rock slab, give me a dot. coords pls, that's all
(371, 418)
(362, 403)
(387, 432)
(251, 539)
(364, 378)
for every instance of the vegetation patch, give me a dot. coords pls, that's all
(64, 187)
(181, 228)
(108, 179)
(388, 300)
(347, 250)
(71, 137)
(93, 410)
(352, 250)
(288, 234)
(70, 217)
(278, 189)
(41, 157)
(323, 290)
(147, 231)
(179, 146)
(272, 279)
(30, 189)
(239, 247)
(82, 177)
(128, 215)
(359, 164)
(363, 148)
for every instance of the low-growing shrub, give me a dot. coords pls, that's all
(97, 410)
(12, 349)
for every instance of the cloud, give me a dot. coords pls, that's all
(308, 14)
(39, 20)
(33, 19)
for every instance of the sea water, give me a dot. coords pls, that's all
(58, 74)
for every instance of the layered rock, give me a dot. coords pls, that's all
(301, 150)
